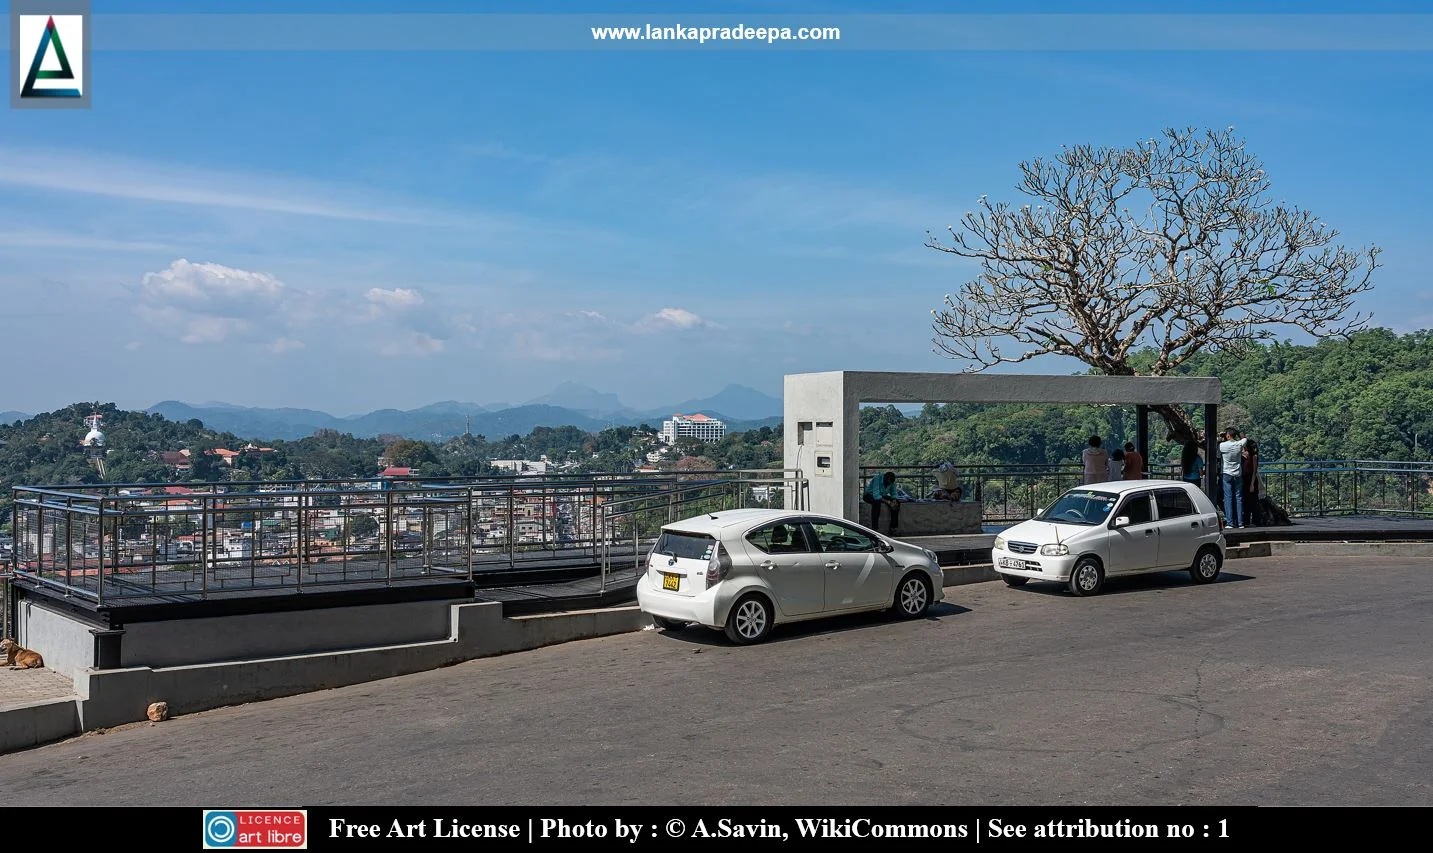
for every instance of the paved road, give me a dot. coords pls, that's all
(1292, 681)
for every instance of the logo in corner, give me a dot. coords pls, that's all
(255, 829)
(49, 46)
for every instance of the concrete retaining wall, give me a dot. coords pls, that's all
(114, 697)
(66, 643)
(180, 642)
(931, 518)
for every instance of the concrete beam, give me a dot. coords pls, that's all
(884, 387)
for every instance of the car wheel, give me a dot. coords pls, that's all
(1087, 577)
(912, 596)
(1206, 566)
(749, 620)
(668, 624)
(1015, 580)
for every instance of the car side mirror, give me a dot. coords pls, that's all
(1120, 521)
(884, 547)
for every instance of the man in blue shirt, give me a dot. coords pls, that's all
(1231, 452)
(881, 491)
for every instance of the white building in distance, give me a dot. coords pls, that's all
(696, 426)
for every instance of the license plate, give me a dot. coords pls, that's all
(671, 581)
(1011, 563)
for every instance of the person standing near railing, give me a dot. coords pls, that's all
(1253, 485)
(1191, 464)
(1097, 462)
(1231, 451)
(1117, 465)
(1134, 462)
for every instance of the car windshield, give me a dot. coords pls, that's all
(1081, 506)
(684, 546)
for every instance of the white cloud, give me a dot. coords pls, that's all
(283, 345)
(669, 318)
(398, 297)
(203, 303)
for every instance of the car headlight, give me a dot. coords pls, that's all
(934, 560)
(1054, 550)
(1000, 543)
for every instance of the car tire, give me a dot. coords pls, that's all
(913, 596)
(1015, 580)
(666, 624)
(749, 620)
(1087, 577)
(1206, 566)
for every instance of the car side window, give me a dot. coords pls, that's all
(781, 537)
(838, 538)
(1173, 503)
(1137, 508)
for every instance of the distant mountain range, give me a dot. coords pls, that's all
(11, 417)
(569, 404)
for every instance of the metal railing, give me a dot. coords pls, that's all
(111, 542)
(1351, 487)
(638, 520)
(1011, 493)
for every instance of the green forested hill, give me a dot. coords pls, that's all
(1370, 397)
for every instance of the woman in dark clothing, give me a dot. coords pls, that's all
(1191, 464)
(1249, 465)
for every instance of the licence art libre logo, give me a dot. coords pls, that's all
(51, 56)
(255, 829)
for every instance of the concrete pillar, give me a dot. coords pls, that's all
(821, 432)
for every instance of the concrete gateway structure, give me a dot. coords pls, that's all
(823, 419)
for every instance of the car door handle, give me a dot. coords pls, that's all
(768, 565)
(833, 565)
(1193, 524)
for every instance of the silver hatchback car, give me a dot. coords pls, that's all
(747, 570)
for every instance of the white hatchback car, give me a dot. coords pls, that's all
(1115, 528)
(747, 570)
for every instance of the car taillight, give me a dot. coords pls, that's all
(718, 565)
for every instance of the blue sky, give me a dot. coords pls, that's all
(353, 230)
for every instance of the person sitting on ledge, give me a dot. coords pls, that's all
(881, 491)
(947, 484)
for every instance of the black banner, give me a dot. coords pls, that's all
(776, 827)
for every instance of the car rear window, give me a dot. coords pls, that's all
(684, 546)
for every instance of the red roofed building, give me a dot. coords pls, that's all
(698, 426)
(396, 472)
(226, 455)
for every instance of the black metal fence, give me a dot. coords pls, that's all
(1012, 493)
(114, 542)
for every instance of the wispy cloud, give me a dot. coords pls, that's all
(36, 239)
(135, 180)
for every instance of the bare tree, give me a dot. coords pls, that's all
(1172, 245)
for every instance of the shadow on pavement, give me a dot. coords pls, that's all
(829, 625)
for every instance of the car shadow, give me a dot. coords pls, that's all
(1155, 581)
(703, 636)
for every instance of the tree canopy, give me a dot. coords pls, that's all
(1171, 247)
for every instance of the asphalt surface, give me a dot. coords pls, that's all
(1292, 681)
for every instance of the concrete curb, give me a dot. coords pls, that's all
(108, 698)
(1333, 549)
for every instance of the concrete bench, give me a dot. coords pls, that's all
(931, 518)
